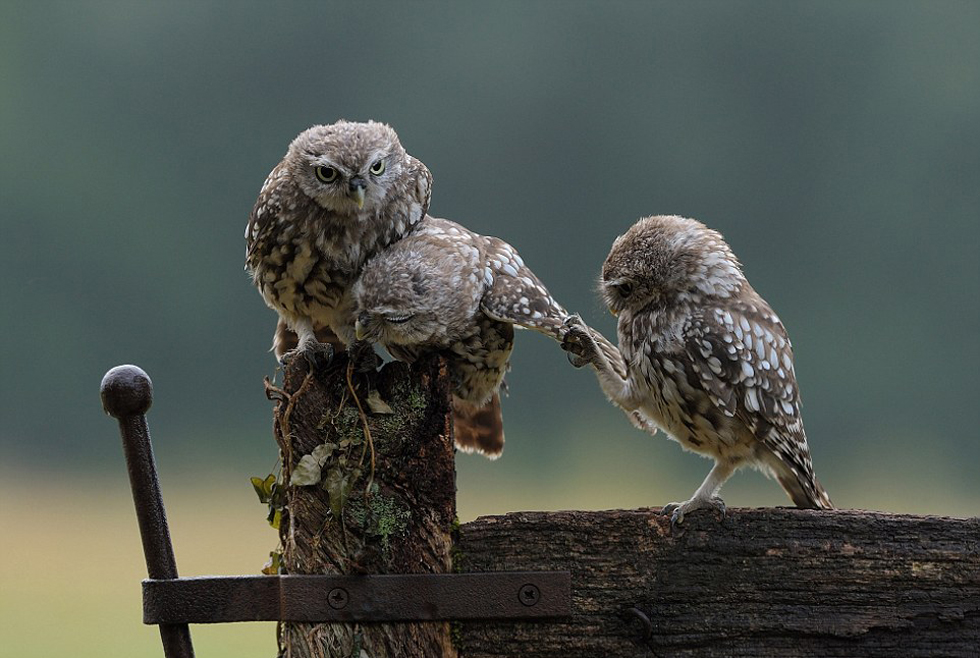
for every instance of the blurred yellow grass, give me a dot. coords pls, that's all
(72, 564)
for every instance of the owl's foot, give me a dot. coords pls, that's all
(578, 342)
(318, 355)
(362, 355)
(678, 511)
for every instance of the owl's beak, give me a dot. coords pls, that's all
(357, 187)
(360, 331)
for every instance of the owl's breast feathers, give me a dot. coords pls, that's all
(304, 257)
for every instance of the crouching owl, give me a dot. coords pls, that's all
(447, 289)
(708, 361)
(342, 193)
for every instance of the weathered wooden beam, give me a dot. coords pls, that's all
(383, 500)
(764, 582)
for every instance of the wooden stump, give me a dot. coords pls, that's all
(396, 516)
(764, 582)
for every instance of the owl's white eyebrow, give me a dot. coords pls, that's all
(375, 156)
(323, 161)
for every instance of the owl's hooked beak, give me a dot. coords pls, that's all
(357, 187)
(360, 331)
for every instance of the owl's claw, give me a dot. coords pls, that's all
(362, 355)
(678, 511)
(577, 341)
(318, 355)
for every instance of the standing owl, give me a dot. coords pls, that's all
(708, 360)
(341, 194)
(447, 289)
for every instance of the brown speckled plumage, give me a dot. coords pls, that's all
(709, 362)
(448, 289)
(322, 212)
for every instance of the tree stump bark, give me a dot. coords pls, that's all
(381, 501)
(764, 582)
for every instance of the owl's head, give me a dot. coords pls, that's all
(663, 258)
(414, 293)
(347, 167)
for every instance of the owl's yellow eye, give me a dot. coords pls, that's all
(378, 168)
(326, 174)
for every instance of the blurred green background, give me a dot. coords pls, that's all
(835, 144)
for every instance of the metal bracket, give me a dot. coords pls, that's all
(173, 602)
(376, 598)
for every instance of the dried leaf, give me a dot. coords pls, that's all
(377, 405)
(309, 469)
(337, 485)
(306, 472)
(322, 452)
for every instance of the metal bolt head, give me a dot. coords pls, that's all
(529, 595)
(338, 598)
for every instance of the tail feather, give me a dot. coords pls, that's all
(479, 428)
(806, 493)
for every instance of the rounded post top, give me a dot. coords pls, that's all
(126, 391)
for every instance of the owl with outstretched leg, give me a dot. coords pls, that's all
(447, 289)
(708, 361)
(342, 193)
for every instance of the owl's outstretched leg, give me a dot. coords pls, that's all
(706, 497)
(586, 346)
(318, 355)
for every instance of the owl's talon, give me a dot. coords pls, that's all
(678, 511)
(318, 355)
(577, 341)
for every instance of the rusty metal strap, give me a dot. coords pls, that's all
(390, 598)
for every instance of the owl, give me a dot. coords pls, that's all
(447, 289)
(342, 193)
(708, 360)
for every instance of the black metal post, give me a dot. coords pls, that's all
(127, 394)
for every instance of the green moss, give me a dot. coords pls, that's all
(379, 516)
(456, 635)
(389, 518)
(416, 399)
(457, 558)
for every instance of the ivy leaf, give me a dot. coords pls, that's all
(264, 488)
(377, 405)
(306, 472)
(337, 484)
(275, 516)
(309, 469)
(273, 566)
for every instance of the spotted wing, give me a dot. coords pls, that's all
(515, 295)
(262, 219)
(742, 358)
